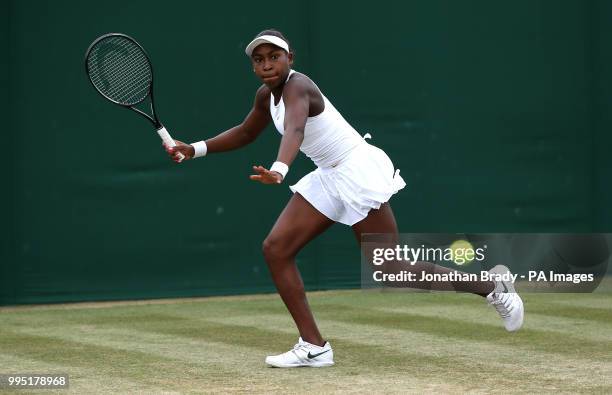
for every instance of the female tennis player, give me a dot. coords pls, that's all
(352, 185)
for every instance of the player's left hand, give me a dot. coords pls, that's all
(266, 176)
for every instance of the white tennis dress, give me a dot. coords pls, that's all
(352, 176)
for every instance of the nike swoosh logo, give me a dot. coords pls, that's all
(311, 356)
(506, 290)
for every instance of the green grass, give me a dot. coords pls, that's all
(383, 343)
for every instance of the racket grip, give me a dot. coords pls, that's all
(169, 141)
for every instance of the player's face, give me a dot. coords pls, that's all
(271, 64)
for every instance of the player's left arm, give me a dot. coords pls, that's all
(297, 106)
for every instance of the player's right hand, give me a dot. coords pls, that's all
(187, 150)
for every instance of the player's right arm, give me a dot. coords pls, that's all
(238, 136)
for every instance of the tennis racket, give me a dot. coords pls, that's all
(120, 70)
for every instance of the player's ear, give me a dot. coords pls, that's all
(290, 57)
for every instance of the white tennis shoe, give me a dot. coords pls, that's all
(303, 354)
(506, 301)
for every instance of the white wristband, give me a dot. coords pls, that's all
(281, 168)
(200, 149)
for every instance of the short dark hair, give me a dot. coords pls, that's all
(276, 33)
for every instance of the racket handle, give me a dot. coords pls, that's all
(169, 141)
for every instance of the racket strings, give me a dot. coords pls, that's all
(124, 78)
(116, 68)
(122, 92)
(120, 70)
(125, 85)
(118, 65)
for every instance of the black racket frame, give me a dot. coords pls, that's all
(153, 119)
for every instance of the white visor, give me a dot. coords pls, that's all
(279, 42)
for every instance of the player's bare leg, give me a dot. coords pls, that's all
(382, 221)
(500, 294)
(298, 224)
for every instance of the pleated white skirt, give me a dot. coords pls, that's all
(346, 193)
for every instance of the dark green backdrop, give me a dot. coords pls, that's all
(498, 113)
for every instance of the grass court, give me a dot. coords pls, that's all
(384, 342)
